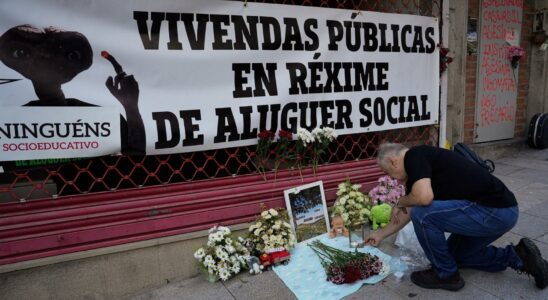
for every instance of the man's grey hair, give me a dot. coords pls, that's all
(388, 150)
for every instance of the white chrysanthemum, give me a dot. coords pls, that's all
(213, 229)
(305, 136)
(221, 254)
(258, 231)
(317, 133)
(235, 269)
(224, 274)
(273, 212)
(199, 254)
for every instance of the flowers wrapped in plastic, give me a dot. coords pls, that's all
(222, 255)
(272, 230)
(515, 53)
(351, 204)
(388, 191)
(347, 267)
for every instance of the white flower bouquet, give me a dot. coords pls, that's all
(311, 146)
(351, 204)
(222, 256)
(272, 230)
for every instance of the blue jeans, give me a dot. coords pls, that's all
(473, 227)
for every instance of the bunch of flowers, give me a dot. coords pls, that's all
(222, 256)
(282, 147)
(322, 138)
(515, 53)
(312, 145)
(347, 267)
(351, 204)
(271, 230)
(264, 144)
(388, 190)
(445, 60)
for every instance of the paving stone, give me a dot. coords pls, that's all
(507, 284)
(530, 226)
(535, 189)
(505, 169)
(264, 286)
(543, 239)
(512, 182)
(532, 154)
(530, 175)
(527, 199)
(539, 210)
(193, 288)
(380, 291)
(524, 163)
(408, 290)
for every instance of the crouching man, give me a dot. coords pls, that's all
(448, 193)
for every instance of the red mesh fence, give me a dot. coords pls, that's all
(129, 172)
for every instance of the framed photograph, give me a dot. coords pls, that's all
(307, 210)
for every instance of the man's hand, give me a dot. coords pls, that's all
(374, 239)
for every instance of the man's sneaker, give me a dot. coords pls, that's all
(533, 263)
(429, 279)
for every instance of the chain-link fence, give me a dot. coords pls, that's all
(129, 172)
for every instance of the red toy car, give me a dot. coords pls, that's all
(275, 257)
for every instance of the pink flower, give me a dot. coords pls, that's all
(515, 52)
(388, 190)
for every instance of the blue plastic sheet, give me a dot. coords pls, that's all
(306, 278)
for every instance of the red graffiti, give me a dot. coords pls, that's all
(502, 16)
(498, 3)
(491, 113)
(504, 84)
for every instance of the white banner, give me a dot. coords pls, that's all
(212, 74)
(32, 132)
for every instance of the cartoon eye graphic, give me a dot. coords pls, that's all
(74, 55)
(20, 53)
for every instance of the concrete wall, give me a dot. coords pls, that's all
(107, 273)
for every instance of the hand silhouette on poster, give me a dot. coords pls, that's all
(51, 57)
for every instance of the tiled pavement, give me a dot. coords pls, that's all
(525, 173)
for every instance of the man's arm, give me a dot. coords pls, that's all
(377, 236)
(421, 194)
